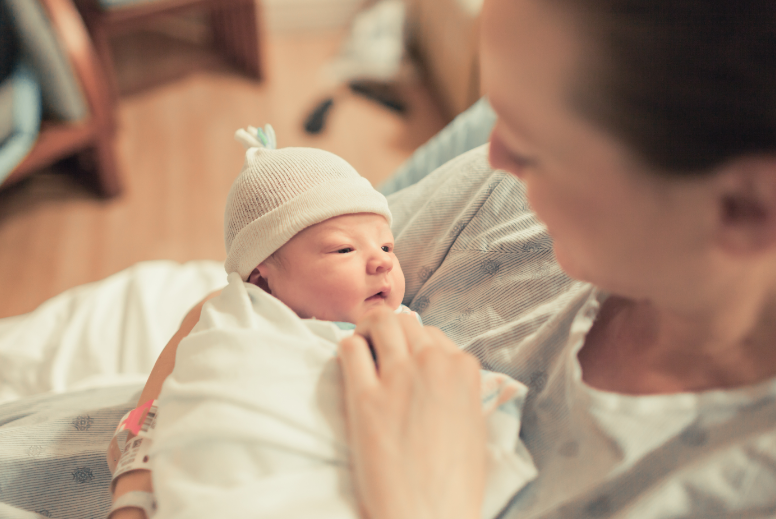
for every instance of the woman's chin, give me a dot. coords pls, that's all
(604, 279)
(571, 265)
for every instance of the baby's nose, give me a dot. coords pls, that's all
(381, 263)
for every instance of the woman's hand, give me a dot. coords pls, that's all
(415, 424)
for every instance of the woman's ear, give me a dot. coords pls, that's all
(747, 206)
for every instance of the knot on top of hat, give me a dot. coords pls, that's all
(257, 138)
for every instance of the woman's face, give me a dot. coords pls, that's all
(613, 223)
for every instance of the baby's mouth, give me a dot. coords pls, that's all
(379, 296)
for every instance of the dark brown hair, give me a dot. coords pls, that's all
(687, 84)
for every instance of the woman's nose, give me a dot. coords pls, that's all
(380, 263)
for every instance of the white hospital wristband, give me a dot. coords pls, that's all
(142, 500)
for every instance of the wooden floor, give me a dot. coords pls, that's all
(178, 111)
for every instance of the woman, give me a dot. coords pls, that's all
(644, 133)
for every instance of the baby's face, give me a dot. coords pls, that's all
(338, 269)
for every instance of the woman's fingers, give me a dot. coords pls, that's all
(383, 331)
(395, 336)
(415, 425)
(358, 367)
(439, 338)
(417, 335)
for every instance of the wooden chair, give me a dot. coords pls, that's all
(235, 26)
(92, 136)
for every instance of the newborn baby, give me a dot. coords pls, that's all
(251, 420)
(304, 226)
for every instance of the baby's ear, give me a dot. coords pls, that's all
(256, 279)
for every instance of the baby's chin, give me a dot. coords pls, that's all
(347, 314)
(358, 313)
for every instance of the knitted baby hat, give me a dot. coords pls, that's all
(279, 192)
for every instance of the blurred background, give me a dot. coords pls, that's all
(117, 116)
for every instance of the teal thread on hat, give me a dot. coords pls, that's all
(262, 137)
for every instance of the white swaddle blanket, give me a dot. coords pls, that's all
(251, 421)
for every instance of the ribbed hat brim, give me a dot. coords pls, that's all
(263, 236)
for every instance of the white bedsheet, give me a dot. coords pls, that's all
(251, 421)
(70, 369)
(106, 333)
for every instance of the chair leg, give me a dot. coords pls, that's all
(236, 33)
(98, 167)
(101, 41)
(108, 179)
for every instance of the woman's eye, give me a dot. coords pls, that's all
(523, 162)
(345, 250)
(503, 158)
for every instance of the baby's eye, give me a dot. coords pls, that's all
(345, 250)
(386, 248)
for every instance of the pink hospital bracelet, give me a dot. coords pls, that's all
(134, 453)
(139, 421)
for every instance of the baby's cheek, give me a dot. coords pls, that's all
(398, 288)
(346, 302)
(395, 299)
